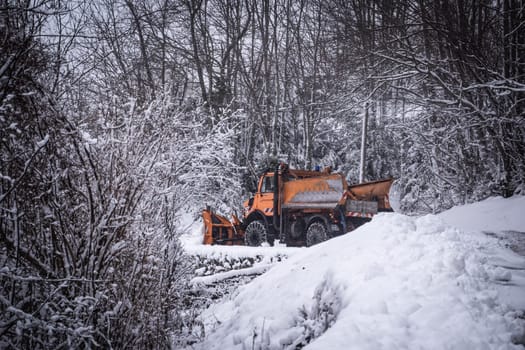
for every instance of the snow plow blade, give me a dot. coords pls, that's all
(374, 191)
(220, 230)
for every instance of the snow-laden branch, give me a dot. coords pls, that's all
(14, 183)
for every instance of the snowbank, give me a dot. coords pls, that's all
(396, 283)
(216, 251)
(503, 218)
(495, 214)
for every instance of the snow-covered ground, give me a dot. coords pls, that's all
(449, 281)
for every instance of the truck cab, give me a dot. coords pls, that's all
(262, 200)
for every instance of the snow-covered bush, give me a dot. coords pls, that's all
(314, 320)
(206, 265)
(88, 252)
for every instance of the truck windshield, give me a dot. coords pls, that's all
(267, 185)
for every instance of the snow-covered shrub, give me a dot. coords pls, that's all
(208, 265)
(89, 255)
(314, 320)
(79, 275)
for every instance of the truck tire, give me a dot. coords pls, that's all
(316, 233)
(255, 234)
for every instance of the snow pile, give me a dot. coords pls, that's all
(396, 283)
(504, 219)
(221, 251)
(495, 214)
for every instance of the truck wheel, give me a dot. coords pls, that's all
(255, 233)
(316, 233)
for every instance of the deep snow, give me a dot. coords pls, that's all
(399, 282)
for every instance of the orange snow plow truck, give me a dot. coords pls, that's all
(299, 207)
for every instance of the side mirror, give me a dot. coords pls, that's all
(249, 183)
(251, 186)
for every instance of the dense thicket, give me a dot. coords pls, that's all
(118, 115)
(440, 82)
